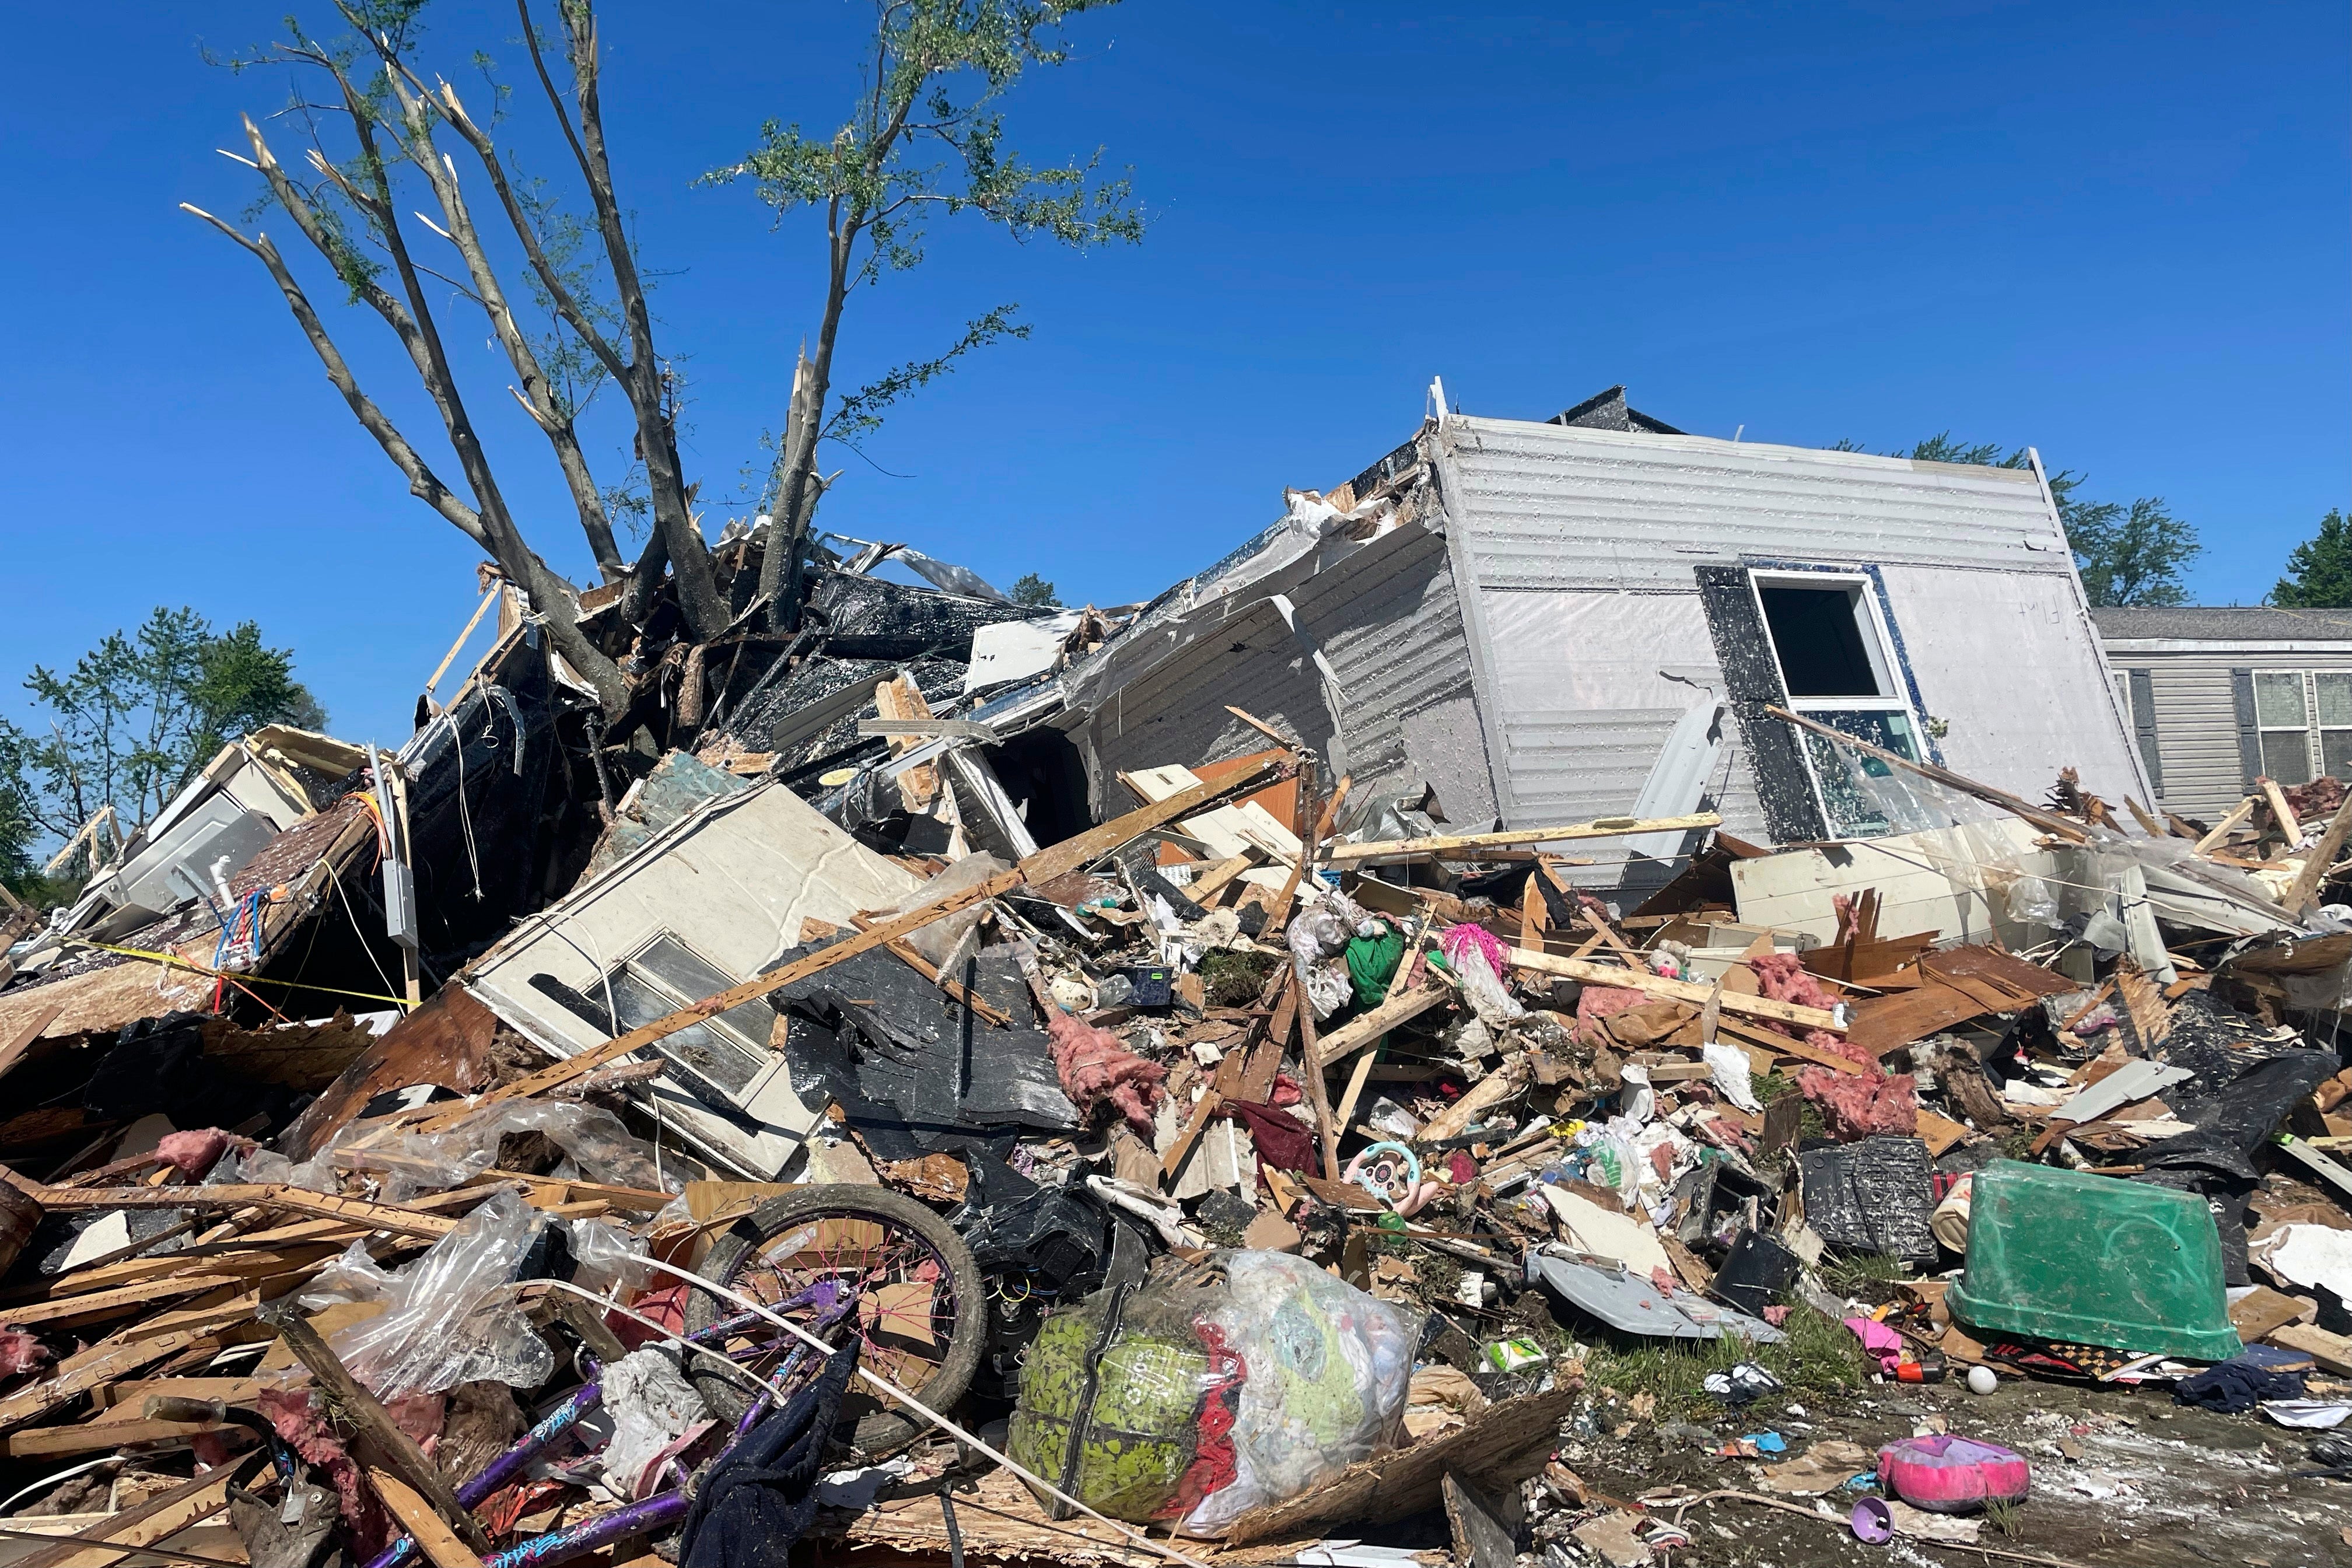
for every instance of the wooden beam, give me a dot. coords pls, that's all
(2303, 891)
(22, 1040)
(252, 1195)
(118, 1537)
(2237, 814)
(382, 1445)
(2282, 812)
(417, 1516)
(1357, 1032)
(1467, 844)
(1676, 990)
(1317, 1092)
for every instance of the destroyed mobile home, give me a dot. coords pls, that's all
(1229, 1077)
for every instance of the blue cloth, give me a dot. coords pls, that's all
(760, 1496)
(2236, 1385)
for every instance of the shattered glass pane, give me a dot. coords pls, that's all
(1855, 809)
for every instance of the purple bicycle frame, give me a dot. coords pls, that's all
(633, 1518)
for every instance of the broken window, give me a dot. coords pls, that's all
(723, 1055)
(1837, 663)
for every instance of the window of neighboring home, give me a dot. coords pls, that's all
(2282, 720)
(1838, 665)
(2334, 691)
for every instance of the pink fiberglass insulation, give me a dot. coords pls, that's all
(1857, 1105)
(193, 1153)
(295, 1416)
(20, 1351)
(1095, 1067)
(1595, 1002)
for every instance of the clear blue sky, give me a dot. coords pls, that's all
(2118, 231)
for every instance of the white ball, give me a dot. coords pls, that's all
(1982, 1380)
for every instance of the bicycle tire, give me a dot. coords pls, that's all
(877, 1428)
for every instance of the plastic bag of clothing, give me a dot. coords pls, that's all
(652, 1406)
(448, 1316)
(1199, 1398)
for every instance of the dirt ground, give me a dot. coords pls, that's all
(2120, 1477)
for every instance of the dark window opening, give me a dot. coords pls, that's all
(1820, 638)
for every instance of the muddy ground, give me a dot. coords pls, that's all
(2120, 1477)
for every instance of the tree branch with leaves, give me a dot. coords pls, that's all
(923, 139)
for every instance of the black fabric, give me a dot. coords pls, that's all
(759, 1499)
(2235, 1386)
(1752, 681)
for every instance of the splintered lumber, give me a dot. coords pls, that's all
(103, 1362)
(1499, 1446)
(252, 1195)
(1319, 1094)
(101, 1436)
(2303, 891)
(1058, 860)
(1212, 882)
(119, 1538)
(2048, 821)
(405, 1503)
(1358, 1033)
(383, 1445)
(18, 1043)
(1465, 845)
(2237, 814)
(1594, 973)
(2282, 812)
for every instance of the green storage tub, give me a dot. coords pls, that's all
(2064, 1255)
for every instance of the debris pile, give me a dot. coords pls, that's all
(847, 1125)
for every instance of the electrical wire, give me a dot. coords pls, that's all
(365, 946)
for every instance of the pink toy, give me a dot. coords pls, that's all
(1952, 1475)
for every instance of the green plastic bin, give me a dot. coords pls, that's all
(2064, 1255)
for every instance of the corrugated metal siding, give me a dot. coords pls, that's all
(1590, 684)
(1388, 620)
(1547, 506)
(2197, 718)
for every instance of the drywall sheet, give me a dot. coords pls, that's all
(1953, 881)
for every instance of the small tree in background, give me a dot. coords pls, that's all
(2319, 570)
(1034, 591)
(132, 720)
(2127, 554)
(922, 141)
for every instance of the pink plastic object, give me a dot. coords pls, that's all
(1873, 1522)
(1952, 1475)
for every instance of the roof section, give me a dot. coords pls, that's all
(1609, 411)
(1552, 506)
(2255, 623)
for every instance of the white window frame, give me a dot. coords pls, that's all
(1885, 668)
(2311, 725)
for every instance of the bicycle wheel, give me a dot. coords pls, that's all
(920, 1317)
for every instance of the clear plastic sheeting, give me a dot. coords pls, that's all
(596, 1148)
(448, 1316)
(652, 1406)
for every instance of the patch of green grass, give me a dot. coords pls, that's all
(1774, 1085)
(1864, 1275)
(1819, 1356)
(2002, 1514)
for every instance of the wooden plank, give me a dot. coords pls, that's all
(1882, 1023)
(2282, 812)
(380, 1443)
(1481, 1539)
(151, 1523)
(1675, 990)
(1498, 1448)
(2237, 814)
(1466, 845)
(78, 1373)
(1357, 1032)
(1319, 1093)
(101, 1436)
(1212, 882)
(1750, 1035)
(2303, 891)
(1940, 1132)
(391, 1218)
(22, 1039)
(405, 1503)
